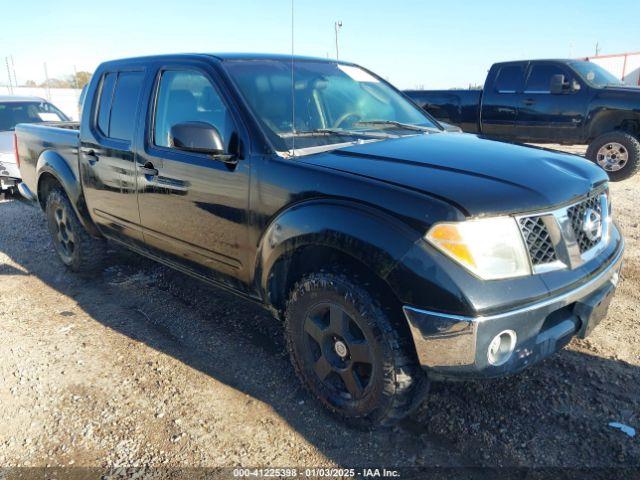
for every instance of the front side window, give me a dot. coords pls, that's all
(539, 80)
(188, 96)
(327, 103)
(13, 113)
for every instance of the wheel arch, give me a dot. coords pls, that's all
(312, 236)
(53, 170)
(607, 121)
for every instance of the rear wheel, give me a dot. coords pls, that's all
(617, 153)
(75, 247)
(347, 353)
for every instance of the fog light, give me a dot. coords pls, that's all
(501, 347)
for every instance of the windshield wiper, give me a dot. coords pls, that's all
(333, 131)
(393, 123)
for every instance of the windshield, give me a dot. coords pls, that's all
(595, 75)
(12, 113)
(334, 103)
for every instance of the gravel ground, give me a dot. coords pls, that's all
(142, 366)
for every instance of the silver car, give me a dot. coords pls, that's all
(14, 110)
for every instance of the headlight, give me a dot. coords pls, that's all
(491, 248)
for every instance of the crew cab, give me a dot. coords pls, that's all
(549, 101)
(13, 110)
(393, 250)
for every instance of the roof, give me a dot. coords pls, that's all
(17, 98)
(227, 56)
(270, 56)
(559, 60)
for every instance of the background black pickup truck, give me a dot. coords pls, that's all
(549, 101)
(389, 246)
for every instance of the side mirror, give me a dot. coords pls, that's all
(198, 137)
(557, 84)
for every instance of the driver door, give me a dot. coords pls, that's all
(547, 117)
(193, 209)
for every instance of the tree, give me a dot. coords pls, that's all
(82, 78)
(78, 80)
(29, 83)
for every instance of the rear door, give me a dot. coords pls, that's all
(500, 100)
(547, 117)
(107, 157)
(193, 208)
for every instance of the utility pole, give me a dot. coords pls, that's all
(6, 62)
(75, 76)
(13, 67)
(46, 77)
(597, 49)
(337, 25)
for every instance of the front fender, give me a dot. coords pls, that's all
(604, 120)
(370, 236)
(52, 163)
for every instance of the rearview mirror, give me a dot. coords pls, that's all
(198, 137)
(557, 84)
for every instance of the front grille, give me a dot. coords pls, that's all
(539, 244)
(567, 236)
(576, 214)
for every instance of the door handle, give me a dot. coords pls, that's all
(90, 155)
(147, 169)
(529, 101)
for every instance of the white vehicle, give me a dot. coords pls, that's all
(14, 110)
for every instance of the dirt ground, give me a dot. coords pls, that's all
(142, 366)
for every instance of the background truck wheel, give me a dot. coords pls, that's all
(618, 153)
(347, 353)
(76, 248)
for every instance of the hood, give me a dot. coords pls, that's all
(479, 176)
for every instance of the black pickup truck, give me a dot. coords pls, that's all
(393, 250)
(549, 101)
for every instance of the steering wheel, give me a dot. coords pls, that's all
(344, 117)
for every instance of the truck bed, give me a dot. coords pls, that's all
(35, 139)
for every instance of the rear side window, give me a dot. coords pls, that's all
(125, 105)
(510, 79)
(106, 94)
(540, 77)
(118, 104)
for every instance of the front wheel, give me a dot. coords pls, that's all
(347, 353)
(617, 153)
(78, 250)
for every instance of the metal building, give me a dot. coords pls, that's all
(625, 66)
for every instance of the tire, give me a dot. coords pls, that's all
(329, 323)
(616, 145)
(77, 250)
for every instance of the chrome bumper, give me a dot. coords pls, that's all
(454, 344)
(25, 192)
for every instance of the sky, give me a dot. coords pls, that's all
(411, 43)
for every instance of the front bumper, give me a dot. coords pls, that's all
(457, 346)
